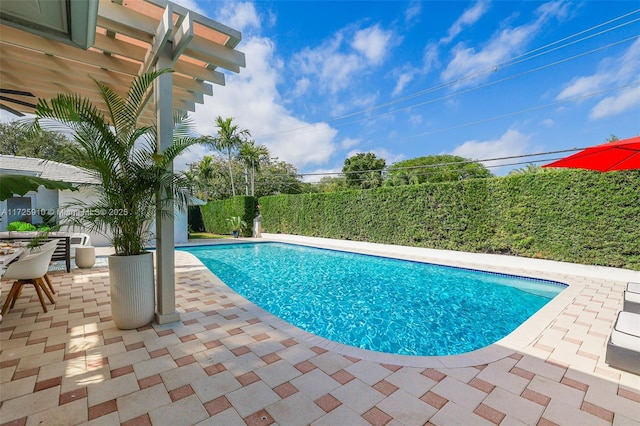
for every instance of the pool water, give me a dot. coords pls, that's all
(381, 304)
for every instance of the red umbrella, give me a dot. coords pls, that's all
(617, 155)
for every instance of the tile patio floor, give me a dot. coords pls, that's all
(224, 363)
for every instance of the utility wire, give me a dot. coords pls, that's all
(482, 86)
(432, 172)
(486, 160)
(502, 64)
(486, 120)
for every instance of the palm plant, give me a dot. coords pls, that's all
(201, 174)
(252, 155)
(227, 141)
(121, 151)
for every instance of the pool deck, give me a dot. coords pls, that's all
(228, 362)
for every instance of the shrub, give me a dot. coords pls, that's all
(215, 214)
(20, 227)
(566, 215)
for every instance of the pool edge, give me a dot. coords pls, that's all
(517, 341)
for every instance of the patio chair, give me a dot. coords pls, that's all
(29, 270)
(623, 348)
(632, 298)
(35, 250)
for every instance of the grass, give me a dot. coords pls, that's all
(206, 235)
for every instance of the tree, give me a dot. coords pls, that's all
(16, 139)
(332, 184)
(121, 151)
(278, 177)
(364, 170)
(252, 155)
(201, 175)
(529, 169)
(227, 141)
(433, 169)
(211, 177)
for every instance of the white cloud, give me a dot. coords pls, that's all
(318, 174)
(612, 105)
(468, 61)
(402, 80)
(241, 16)
(469, 17)
(415, 119)
(582, 85)
(430, 56)
(302, 86)
(193, 155)
(412, 13)
(191, 5)
(349, 143)
(252, 98)
(373, 43)
(547, 122)
(512, 142)
(611, 72)
(348, 53)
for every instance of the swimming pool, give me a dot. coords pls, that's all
(376, 303)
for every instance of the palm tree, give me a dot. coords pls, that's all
(227, 141)
(252, 155)
(203, 173)
(121, 151)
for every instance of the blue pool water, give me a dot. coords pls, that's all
(376, 303)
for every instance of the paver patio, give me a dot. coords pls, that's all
(227, 362)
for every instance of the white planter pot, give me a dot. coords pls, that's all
(132, 290)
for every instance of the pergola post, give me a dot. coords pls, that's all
(40, 59)
(165, 240)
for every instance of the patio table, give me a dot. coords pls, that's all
(63, 251)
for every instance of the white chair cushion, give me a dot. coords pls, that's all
(626, 331)
(632, 297)
(633, 287)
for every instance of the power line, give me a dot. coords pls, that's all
(456, 163)
(433, 172)
(502, 64)
(482, 86)
(486, 120)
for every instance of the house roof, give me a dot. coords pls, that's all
(12, 164)
(122, 38)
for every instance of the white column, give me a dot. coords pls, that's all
(165, 243)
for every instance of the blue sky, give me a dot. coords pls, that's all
(480, 79)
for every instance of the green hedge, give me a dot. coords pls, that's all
(567, 215)
(216, 213)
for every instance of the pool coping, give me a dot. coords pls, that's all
(524, 335)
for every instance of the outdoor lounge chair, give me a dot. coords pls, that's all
(623, 348)
(632, 298)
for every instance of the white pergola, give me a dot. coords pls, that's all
(55, 46)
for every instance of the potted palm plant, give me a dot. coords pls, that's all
(120, 149)
(237, 225)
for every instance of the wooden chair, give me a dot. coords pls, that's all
(29, 270)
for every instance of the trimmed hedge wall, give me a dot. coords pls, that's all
(567, 215)
(216, 213)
